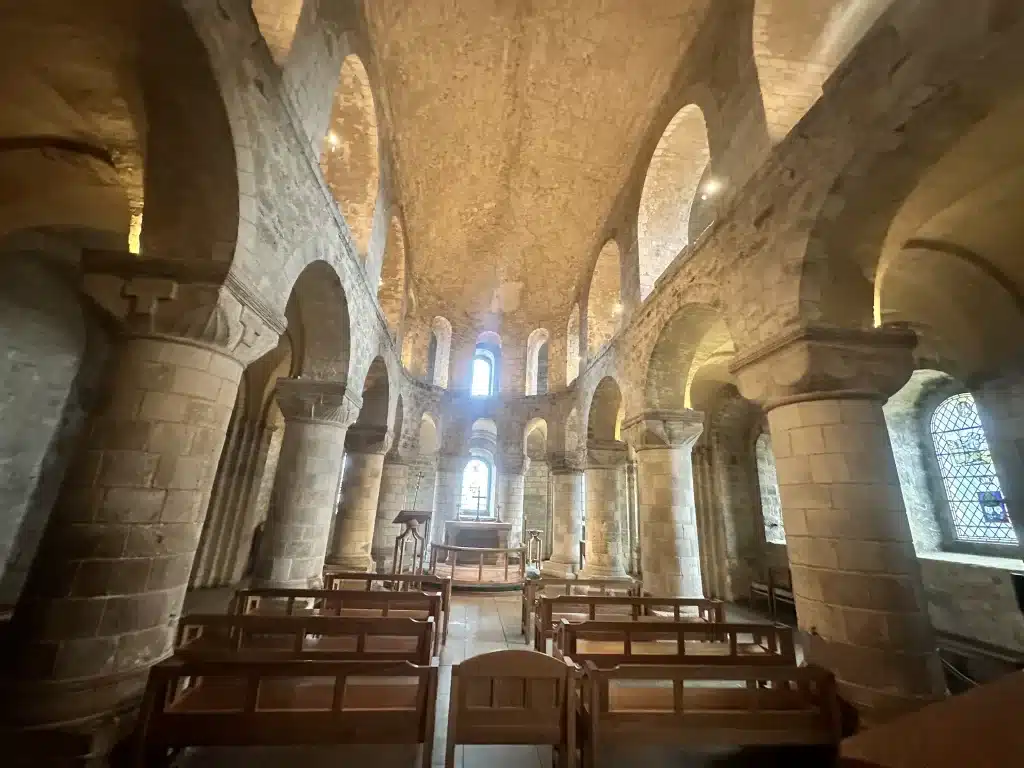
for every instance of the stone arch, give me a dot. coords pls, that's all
(573, 431)
(604, 299)
(398, 426)
(318, 322)
(671, 186)
(535, 437)
(375, 410)
(797, 45)
(439, 352)
(604, 416)
(572, 346)
(429, 437)
(351, 156)
(536, 340)
(391, 289)
(691, 338)
(277, 20)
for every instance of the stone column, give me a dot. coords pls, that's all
(447, 489)
(633, 517)
(606, 478)
(108, 581)
(317, 415)
(856, 578)
(394, 481)
(511, 494)
(360, 491)
(567, 515)
(663, 441)
(1001, 409)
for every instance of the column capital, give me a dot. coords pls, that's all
(606, 453)
(664, 429)
(326, 402)
(566, 462)
(368, 438)
(198, 302)
(817, 362)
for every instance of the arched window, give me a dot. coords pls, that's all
(439, 351)
(537, 362)
(768, 484)
(483, 374)
(542, 369)
(475, 501)
(969, 479)
(432, 356)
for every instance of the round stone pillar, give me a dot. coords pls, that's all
(511, 495)
(360, 491)
(317, 415)
(108, 582)
(1001, 410)
(856, 578)
(447, 489)
(566, 517)
(663, 441)
(394, 482)
(606, 481)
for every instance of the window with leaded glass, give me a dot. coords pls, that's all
(969, 479)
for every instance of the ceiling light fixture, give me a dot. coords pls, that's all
(711, 187)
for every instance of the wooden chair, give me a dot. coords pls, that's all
(193, 702)
(394, 582)
(514, 697)
(646, 704)
(252, 636)
(548, 586)
(776, 588)
(612, 643)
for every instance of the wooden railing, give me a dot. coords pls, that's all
(508, 568)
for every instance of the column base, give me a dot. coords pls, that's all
(355, 563)
(602, 572)
(558, 569)
(87, 744)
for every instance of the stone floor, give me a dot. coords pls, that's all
(479, 624)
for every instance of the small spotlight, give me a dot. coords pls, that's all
(617, 308)
(332, 139)
(711, 187)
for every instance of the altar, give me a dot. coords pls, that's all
(473, 533)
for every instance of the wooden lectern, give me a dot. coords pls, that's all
(412, 520)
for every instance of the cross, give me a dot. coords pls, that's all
(479, 496)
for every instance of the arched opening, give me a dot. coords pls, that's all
(768, 487)
(277, 21)
(797, 45)
(486, 365)
(572, 346)
(350, 159)
(693, 338)
(537, 362)
(376, 396)
(475, 501)
(969, 480)
(605, 417)
(391, 290)
(604, 301)
(536, 484)
(439, 352)
(671, 190)
(423, 466)
(318, 323)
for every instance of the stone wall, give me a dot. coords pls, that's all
(535, 500)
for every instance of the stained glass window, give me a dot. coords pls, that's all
(768, 482)
(968, 477)
(476, 490)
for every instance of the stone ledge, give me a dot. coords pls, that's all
(980, 561)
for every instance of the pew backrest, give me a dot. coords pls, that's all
(611, 643)
(394, 582)
(258, 637)
(549, 586)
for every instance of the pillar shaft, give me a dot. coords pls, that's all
(512, 494)
(317, 415)
(447, 489)
(394, 482)
(109, 579)
(605, 489)
(668, 515)
(567, 506)
(1001, 409)
(360, 491)
(855, 575)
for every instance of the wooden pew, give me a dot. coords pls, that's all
(395, 582)
(194, 702)
(645, 704)
(514, 697)
(548, 586)
(335, 602)
(339, 638)
(776, 588)
(577, 608)
(612, 643)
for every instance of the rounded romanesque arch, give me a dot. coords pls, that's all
(537, 362)
(376, 394)
(439, 351)
(572, 345)
(277, 20)
(351, 158)
(692, 337)
(671, 190)
(604, 416)
(318, 322)
(391, 289)
(604, 299)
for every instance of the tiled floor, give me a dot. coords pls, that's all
(478, 624)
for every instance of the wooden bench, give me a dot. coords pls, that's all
(548, 586)
(508, 571)
(514, 697)
(337, 602)
(577, 608)
(394, 582)
(611, 643)
(646, 704)
(192, 702)
(339, 638)
(776, 588)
